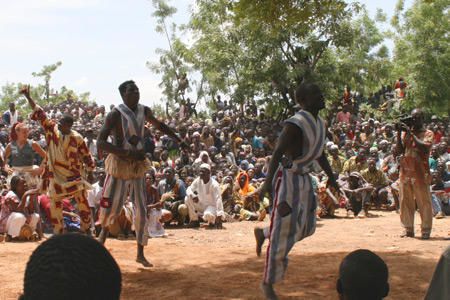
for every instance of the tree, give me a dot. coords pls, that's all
(171, 62)
(264, 49)
(46, 73)
(421, 53)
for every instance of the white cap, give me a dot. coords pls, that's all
(205, 166)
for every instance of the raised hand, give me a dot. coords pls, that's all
(25, 90)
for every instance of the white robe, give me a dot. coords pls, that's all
(210, 203)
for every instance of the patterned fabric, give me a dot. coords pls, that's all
(56, 212)
(376, 178)
(293, 216)
(414, 165)
(117, 191)
(132, 126)
(68, 159)
(7, 205)
(352, 166)
(337, 165)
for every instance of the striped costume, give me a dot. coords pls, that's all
(116, 189)
(293, 216)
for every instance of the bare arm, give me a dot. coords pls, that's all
(7, 153)
(325, 165)
(422, 145)
(102, 143)
(38, 149)
(26, 92)
(160, 126)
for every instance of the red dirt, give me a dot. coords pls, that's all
(221, 264)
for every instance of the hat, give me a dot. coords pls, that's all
(205, 166)
(329, 144)
(355, 174)
(244, 165)
(334, 147)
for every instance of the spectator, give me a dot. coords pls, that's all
(204, 199)
(363, 275)
(59, 262)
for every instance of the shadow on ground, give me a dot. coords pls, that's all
(310, 276)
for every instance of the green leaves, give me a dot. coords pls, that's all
(422, 56)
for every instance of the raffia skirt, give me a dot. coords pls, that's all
(126, 169)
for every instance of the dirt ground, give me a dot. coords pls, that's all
(221, 264)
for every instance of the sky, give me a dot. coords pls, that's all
(101, 43)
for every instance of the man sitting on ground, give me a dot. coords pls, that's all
(379, 181)
(204, 199)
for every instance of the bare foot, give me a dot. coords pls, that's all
(269, 292)
(142, 260)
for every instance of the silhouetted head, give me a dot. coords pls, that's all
(71, 266)
(363, 275)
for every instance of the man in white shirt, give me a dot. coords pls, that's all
(203, 198)
(94, 196)
(11, 116)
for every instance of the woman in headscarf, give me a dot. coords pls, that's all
(249, 207)
(203, 158)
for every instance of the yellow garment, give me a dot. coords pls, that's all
(376, 178)
(67, 160)
(352, 166)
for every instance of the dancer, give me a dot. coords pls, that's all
(68, 159)
(294, 203)
(126, 164)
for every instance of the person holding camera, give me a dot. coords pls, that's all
(414, 143)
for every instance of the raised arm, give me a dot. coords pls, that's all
(26, 92)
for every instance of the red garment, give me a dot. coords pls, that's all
(343, 117)
(44, 202)
(437, 137)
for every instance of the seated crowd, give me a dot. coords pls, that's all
(218, 178)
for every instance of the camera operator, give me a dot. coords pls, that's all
(414, 143)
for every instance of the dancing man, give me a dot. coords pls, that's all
(294, 202)
(68, 159)
(126, 164)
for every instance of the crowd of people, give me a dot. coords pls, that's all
(217, 176)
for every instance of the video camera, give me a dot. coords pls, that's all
(407, 120)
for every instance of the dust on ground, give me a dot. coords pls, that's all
(221, 264)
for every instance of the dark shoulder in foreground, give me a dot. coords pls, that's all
(113, 115)
(147, 110)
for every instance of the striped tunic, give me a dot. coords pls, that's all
(117, 190)
(293, 216)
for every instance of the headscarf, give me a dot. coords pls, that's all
(247, 188)
(199, 158)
